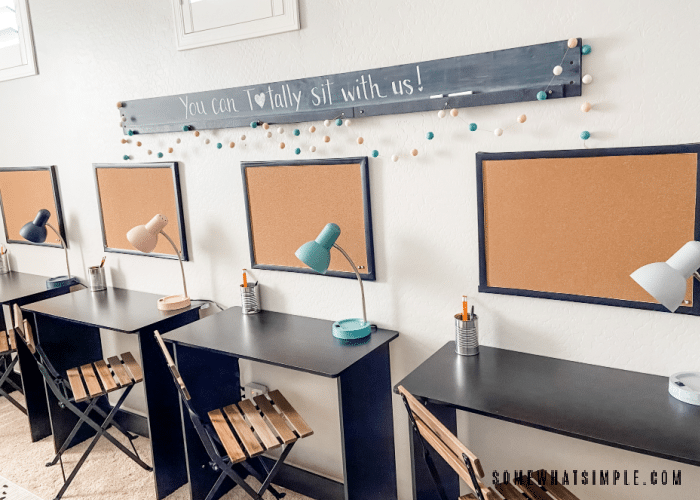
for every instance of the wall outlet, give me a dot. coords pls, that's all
(254, 389)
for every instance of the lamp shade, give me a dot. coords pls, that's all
(145, 237)
(317, 253)
(667, 281)
(35, 231)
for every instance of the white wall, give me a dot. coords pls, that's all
(93, 53)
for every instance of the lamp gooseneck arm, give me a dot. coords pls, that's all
(63, 244)
(182, 268)
(357, 273)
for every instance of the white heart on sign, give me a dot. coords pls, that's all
(260, 99)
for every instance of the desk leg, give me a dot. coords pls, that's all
(34, 393)
(367, 428)
(423, 486)
(213, 381)
(67, 345)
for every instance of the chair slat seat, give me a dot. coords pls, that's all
(5, 346)
(258, 425)
(96, 379)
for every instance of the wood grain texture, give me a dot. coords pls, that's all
(133, 366)
(298, 423)
(116, 365)
(106, 377)
(233, 449)
(558, 491)
(4, 342)
(24, 193)
(265, 434)
(90, 378)
(275, 420)
(245, 434)
(76, 385)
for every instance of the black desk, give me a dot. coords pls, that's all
(22, 288)
(618, 408)
(68, 329)
(207, 354)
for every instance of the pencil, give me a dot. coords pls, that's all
(465, 308)
(245, 280)
(103, 261)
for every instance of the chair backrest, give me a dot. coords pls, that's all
(173, 369)
(22, 328)
(446, 444)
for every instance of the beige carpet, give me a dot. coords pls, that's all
(107, 474)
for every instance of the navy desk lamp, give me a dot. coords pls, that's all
(317, 255)
(35, 232)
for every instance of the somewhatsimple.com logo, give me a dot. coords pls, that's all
(592, 477)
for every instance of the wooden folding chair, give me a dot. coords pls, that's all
(87, 383)
(429, 430)
(7, 365)
(244, 431)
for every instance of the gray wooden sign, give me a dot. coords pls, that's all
(511, 75)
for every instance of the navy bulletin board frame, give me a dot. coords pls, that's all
(583, 153)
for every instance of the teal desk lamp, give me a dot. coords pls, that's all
(35, 231)
(317, 255)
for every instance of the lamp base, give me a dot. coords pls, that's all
(349, 329)
(173, 303)
(61, 281)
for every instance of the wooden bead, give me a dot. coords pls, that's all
(138, 143)
(206, 141)
(312, 149)
(120, 104)
(150, 152)
(441, 114)
(326, 138)
(124, 141)
(557, 70)
(454, 112)
(282, 145)
(280, 130)
(414, 152)
(178, 140)
(587, 79)
(522, 119)
(312, 129)
(327, 123)
(573, 42)
(360, 140)
(196, 133)
(123, 118)
(269, 134)
(170, 150)
(232, 145)
(498, 132)
(586, 107)
(266, 126)
(242, 137)
(395, 158)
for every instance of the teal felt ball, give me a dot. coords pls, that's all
(375, 153)
(297, 151)
(585, 135)
(160, 155)
(185, 128)
(297, 131)
(131, 132)
(126, 157)
(541, 95)
(429, 136)
(472, 127)
(219, 145)
(253, 124)
(339, 122)
(586, 49)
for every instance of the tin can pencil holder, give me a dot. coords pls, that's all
(250, 298)
(4, 264)
(467, 335)
(96, 278)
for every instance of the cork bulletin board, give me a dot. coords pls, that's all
(288, 203)
(23, 192)
(130, 195)
(573, 225)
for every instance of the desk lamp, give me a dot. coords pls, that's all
(145, 238)
(317, 255)
(667, 283)
(35, 232)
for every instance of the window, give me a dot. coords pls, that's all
(209, 22)
(16, 46)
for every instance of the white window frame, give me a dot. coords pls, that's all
(26, 47)
(289, 21)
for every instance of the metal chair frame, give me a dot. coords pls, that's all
(6, 369)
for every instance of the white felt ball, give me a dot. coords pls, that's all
(243, 137)
(587, 79)
(454, 112)
(573, 42)
(150, 152)
(498, 132)
(557, 70)
(280, 130)
(348, 123)
(269, 134)
(395, 158)
(312, 129)
(327, 123)
(178, 141)
(206, 141)
(312, 149)
(441, 113)
(360, 140)
(522, 119)
(586, 107)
